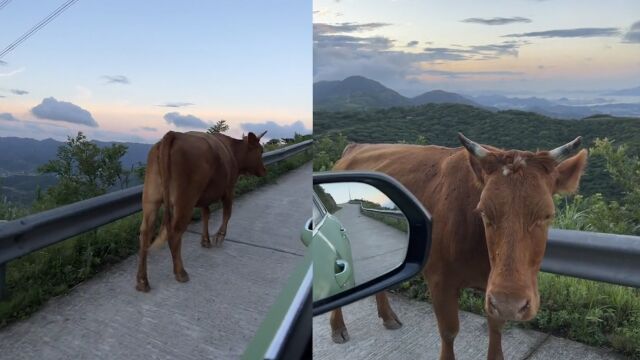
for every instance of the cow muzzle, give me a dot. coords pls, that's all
(511, 306)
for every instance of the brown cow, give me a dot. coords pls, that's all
(185, 170)
(491, 212)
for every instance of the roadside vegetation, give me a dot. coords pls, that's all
(84, 170)
(590, 312)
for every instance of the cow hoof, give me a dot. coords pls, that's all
(392, 324)
(182, 276)
(219, 240)
(340, 336)
(143, 286)
(206, 243)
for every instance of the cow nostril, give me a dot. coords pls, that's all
(526, 307)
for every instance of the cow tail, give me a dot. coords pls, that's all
(164, 165)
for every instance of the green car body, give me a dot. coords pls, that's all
(329, 243)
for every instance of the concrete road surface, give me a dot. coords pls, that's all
(376, 247)
(419, 339)
(214, 316)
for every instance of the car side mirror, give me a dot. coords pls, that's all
(367, 233)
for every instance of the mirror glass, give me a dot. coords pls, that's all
(356, 234)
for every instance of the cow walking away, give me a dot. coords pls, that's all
(185, 170)
(491, 212)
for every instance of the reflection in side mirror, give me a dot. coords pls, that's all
(367, 234)
(364, 233)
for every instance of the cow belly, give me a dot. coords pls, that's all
(209, 197)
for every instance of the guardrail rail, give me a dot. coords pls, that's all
(34, 232)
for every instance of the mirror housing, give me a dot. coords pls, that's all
(419, 221)
(307, 232)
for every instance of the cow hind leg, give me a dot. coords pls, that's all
(227, 202)
(179, 222)
(389, 318)
(444, 297)
(339, 333)
(495, 339)
(205, 242)
(149, 212)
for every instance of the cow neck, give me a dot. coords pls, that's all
(237, 147)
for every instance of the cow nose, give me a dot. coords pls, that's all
(508, 307)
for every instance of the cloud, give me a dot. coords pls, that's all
(52, 109)
(323, 28)
(187, 121)
(633, 35)
(116, 79)
(275, 130)
(339, 54)
(3, 63)
(176, 104)
(459, 74)
(571, 33)
(19, 92)
(148, 128)
(497, 20)
(8, 117)
(11, 73)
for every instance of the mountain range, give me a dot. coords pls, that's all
(358, 93)
(22, 156)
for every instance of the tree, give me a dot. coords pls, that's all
(83, 169)
(220, 127)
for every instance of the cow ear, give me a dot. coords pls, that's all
(569, 172)
(253, 139)
(482, 167)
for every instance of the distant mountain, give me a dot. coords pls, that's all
(441, 97)
(625, 92)
(558, 108)
(355, 93)
(22, 156)
(360, 93)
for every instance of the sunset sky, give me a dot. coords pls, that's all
(507, 45)
(131, 70)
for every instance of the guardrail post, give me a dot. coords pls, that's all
(3, 281)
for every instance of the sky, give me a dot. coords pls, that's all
(470, 46)
(343, 192)
(132, 70)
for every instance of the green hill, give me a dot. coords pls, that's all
(440, 123)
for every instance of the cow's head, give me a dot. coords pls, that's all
(516, 207)
(252, 163)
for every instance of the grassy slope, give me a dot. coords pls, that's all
(440, 123)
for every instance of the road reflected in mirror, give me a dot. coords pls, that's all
(358, 234)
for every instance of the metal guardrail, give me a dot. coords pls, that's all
(393, 213)
(28, 234)
(595, 256)
(602, 257)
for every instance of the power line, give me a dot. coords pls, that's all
(37, 27)
(4, 3)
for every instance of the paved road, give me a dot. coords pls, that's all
(419, 339)
(213, 316)
(375, 246)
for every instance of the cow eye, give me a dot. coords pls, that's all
(485, 218)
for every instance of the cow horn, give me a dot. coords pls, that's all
(474, 148)
(261, 135)
(562, 152)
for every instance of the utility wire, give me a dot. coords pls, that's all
(4, 3)
(37, 27)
